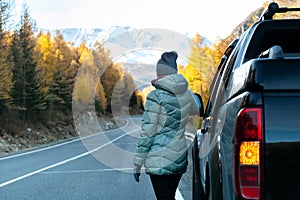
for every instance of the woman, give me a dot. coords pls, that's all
(162, 146)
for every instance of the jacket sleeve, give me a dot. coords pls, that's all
(148, 128)
(194, 105)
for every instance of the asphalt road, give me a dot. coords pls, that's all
(96, 167)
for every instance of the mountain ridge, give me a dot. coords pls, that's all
(90, 35)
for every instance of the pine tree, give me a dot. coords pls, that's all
(109, 79)
(129, 90)
(101, 57)
(109, 73)
(26, 92)
(64, 72)
(5, 65)
(118, 103)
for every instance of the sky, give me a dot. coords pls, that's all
(209, 18)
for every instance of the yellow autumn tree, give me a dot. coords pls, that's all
(100, 99)
(84, 89)
(200, 69)
(45, 57)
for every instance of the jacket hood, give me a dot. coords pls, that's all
(175, 83)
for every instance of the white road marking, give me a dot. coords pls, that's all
(89, 171)
(58, 145)
(38, 150)
(178, 193)
(64, 161)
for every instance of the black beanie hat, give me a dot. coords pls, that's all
(167, 65)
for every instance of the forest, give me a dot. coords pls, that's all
(43, 77)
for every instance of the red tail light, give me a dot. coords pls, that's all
(247, 152)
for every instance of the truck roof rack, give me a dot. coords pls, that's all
(273, 8)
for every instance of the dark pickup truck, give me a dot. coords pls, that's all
(249, 143)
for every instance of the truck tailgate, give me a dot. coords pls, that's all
(282, 145)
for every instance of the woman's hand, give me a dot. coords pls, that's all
(137, 172)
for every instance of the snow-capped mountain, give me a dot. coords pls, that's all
(137, 49)
(130, 45)
(89, 36)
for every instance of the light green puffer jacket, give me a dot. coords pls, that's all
(162, 146)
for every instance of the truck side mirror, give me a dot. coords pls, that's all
(199, 101)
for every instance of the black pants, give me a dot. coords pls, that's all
(165, 186)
